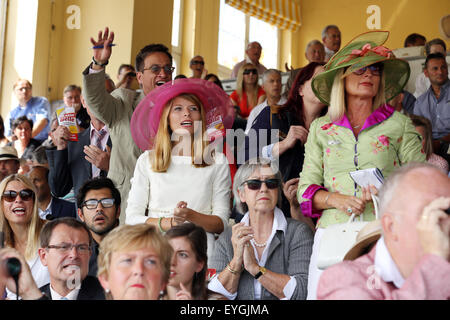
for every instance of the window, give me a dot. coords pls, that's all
(176, 38)
(267, 36)
(236, 30)
(232, 42)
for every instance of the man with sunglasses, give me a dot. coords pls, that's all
(197, 66)
(98, 202)
(252, 55)
(153, 68)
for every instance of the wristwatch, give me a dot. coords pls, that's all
(100, 64)
(262, 271)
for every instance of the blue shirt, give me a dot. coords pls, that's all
(37, 108)
(436, 110)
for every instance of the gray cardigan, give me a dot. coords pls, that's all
(288, 254)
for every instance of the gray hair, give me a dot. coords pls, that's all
(71, 87)
(313, 42)
(246, 171)
(268, 72)
(390, 186)
(328, 27)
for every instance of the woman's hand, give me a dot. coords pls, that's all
(183, 294)
(181, 213)
(295, 133)
(348, 204)
(250, 263)
(101, 55)
(367, 192)
(240, 236)
(290, 191)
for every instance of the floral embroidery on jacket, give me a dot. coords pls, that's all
(384, 140)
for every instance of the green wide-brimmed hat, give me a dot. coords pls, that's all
(364, 50)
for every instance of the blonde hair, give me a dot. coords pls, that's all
(127, 238)
(35, 226)
(338, 106)
(252, 98)
(161, 155)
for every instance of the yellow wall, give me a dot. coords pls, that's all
(400, 17)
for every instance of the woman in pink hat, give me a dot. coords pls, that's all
(179, 178)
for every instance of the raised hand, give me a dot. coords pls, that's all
(101, 55)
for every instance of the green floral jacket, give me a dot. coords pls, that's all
(386, 141)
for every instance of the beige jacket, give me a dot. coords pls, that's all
(115, 110)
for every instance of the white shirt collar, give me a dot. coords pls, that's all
(48, 210)
(385, 265)
(72, 295)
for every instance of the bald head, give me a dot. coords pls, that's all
(402, 201)
(411, 187)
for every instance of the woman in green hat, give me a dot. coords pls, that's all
(360, 131)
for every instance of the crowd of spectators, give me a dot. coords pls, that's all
(166, 188)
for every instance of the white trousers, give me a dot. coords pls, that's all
(314, 272)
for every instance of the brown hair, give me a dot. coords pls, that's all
(196, 236)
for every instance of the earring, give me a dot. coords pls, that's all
(107, 290)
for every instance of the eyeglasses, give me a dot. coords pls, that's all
(25, 195)
(93, 203)
(198, 62)
(248, 71)
(256, 184)
(375, 69)
(67, 247)
(157, 69)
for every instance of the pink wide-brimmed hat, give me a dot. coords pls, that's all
(218, 109)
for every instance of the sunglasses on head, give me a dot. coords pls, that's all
(255, 184)
(25, 195)
(375, 69)
(248, 71)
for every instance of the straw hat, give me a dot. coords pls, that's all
(364, 50)
(365, 239)
(8, 152)
(145, 120)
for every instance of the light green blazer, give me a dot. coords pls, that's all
(387, 140)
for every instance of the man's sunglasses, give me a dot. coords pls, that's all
(254, 184)
(157, 69)
(25, 195)
(248, 71)
(375, 69)
(198, 62)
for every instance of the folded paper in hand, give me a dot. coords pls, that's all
(367, 177)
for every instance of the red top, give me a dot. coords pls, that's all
(245, 110)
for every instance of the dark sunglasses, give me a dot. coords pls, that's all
(198, 62)
(25, 195)
(256, 184)
(375, 69)
(248, 71)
